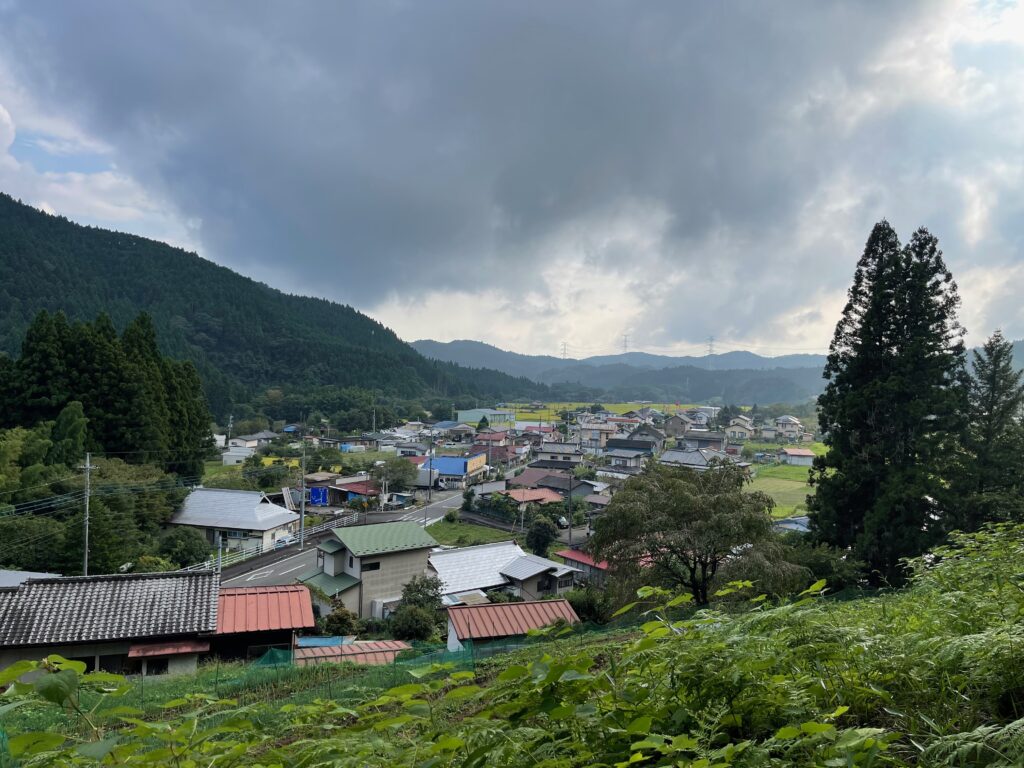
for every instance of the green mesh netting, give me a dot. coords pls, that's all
(275, 657)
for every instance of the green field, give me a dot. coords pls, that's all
(786, 485)
(550, 410)
(466, 534)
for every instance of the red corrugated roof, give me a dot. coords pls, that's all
(491, 437)
(533, 495)
(577, 556)
(261, 609)
(359, 652)
(479, 622)
(361, 488)
(173, 648)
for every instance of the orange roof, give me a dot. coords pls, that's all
(478, 622)
(578, 556)
(798, 452)
(534, 495)
(359, 652)
(261, 609)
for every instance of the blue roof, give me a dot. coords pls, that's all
(447, 465)
(446, 424)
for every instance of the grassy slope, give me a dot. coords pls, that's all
(786, 484)
(466, 534)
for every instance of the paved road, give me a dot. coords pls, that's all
(291, 566)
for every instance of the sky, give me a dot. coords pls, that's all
(533, 173)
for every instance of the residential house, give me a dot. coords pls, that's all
(475, 624)
(503, 455)
(696, 439)
(252, 620)
(789, 427)
(649, 433)
(530, 476)
(452, 430)
(699, 418)
(523, 497)
(562, 483)
(597, 502)
(593, 436)
(799, 457)
(137, 623)
(354, 490)
(234, 456)
(367, 565)
(676, 424)
(768, 432)
(257, 440)
(620, 474)
(457, 471)
(502, 565)
(698, 460)
(411, 449)
(239, 519)
(740, 428)
(493, 437)
(495, 417)
(592, 571)
(567, 454)
(627, 457)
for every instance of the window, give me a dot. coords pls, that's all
(374, 566)
(351, 562)
(565, 582)
(156, 666)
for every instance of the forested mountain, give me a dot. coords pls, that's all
(242, 335)
(735, 377)
(543, 368)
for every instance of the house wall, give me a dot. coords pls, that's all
(453, 639)
(91, 653)
(798, 461)
(395, 571)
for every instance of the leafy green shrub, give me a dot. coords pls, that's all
(411, 622)
(340, 621)
(451, 516)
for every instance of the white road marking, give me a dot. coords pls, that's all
(292, 569)
(260, 574)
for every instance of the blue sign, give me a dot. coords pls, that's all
(318, 497)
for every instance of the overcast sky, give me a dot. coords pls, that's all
(528, 173)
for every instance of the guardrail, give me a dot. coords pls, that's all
(238, 555)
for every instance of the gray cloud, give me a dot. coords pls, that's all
(367, 150)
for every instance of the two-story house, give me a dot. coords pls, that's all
(367, 565)
(558, 455)
(789, 427)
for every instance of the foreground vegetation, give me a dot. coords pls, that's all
(929, 676)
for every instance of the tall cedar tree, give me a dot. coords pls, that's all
(991, 477)
(894, 406)
(137, 403)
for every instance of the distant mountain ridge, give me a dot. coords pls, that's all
(541, 367)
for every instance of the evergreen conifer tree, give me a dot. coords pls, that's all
(894, 406)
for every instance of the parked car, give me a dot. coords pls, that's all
(562, 522)
(285, 541)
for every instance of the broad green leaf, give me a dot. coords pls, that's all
(60, 662)
(97, 750)
(407, 690)
(57, 687)
(679, 600)
(813, 727)
(514, 672)
(815, 588)
(16, 670)
(463, 692)
(449, 743)
(788, 732)
(33, 743)
(640, 725)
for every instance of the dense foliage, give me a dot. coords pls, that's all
(241, 335)
(932, 676)
(129, 399)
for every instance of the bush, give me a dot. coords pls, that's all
(411, 622)
(184, 546)
(590, 605)
(152, 564)
(451, 516)
(340, 621)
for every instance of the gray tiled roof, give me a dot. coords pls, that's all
(237, 510)
(82, 609)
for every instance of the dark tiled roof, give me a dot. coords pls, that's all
(96, 608)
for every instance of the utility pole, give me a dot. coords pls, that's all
(625, 343)
(302, 500)
(711, 350)
(231, 423)
(88, 468)
(565, 349)
(570, 507)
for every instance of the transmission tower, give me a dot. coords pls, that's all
(625, 343)
(565, 350)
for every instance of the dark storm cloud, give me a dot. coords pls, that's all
(360, 149)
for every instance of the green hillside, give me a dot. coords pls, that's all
(242, 335)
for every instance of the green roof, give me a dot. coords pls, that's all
(331, 585)
(330, 546)
(378, 539)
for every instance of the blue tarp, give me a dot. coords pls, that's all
(322, 641)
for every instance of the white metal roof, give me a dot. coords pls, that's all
(236, 510)
(479, 567)
(527, 566)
